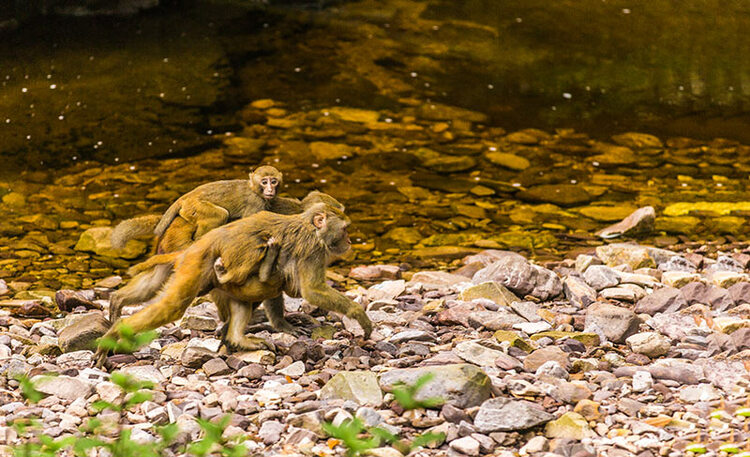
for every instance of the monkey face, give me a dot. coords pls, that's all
(332, 227)
(268, 186)
(265, 181)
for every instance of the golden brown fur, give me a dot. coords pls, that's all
(307, 241)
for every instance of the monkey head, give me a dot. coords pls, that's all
(331, 226)
(317, 196)
(265, 181)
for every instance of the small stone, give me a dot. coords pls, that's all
(216, 367)
(664, 300)
(502, 414)
(578, 292)
(700, 393)
(68, 300)
(640, 222)
(589, 409)
(375, 272)
(295, 370)
(552, 368)
(490, 290)
(82, 332)
(63, 387)
(679, 279)
(510, 161)
(614, 322)
(386, 290)
(530, 328)
(195, 357)
(110, 392)
(601, 277)
(145, 373)
(436, 279)
(539, 357)
(534, 445)
(461, 385)
(619, 294)
(642, 381)
(652, 344)
(270, 432)
(570, 425)
(466, 445)
(477, 354)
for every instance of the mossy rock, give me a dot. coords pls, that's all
(588, 339)
(525, 240)
(513, 339)
(684, 225)
(510, 161)
(718, 208)
(96, 240)
(444, 239)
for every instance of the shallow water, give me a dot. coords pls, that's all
(111, 118)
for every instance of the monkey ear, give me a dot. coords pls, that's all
(319, 221)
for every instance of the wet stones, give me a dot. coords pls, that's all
(96, 240)
(638, 223)
(565, 195)
(510, 161)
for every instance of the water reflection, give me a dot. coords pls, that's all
(668, 67)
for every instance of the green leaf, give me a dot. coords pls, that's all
(28, 389)
(101, 405)
(427, 438)
(384, 435)
(138, 397)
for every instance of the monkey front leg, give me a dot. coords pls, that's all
(318, 293)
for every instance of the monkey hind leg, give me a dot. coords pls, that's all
(179, 235)
(142, 288)
(240, 315)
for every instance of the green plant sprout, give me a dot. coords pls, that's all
(358, 439)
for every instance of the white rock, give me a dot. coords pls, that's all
(466, 445)
(295, 370)
(531, 328)
(642, 381)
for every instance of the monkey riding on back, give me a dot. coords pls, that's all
(307, 243)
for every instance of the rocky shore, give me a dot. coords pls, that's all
(628, 350)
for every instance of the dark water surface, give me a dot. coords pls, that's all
(156, 84)
(445, 127)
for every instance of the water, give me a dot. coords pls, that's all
(115, 117)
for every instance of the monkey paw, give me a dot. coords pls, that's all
(100, 358)
(364, 321)
(272, 242)
(250, 343)
(286, 327)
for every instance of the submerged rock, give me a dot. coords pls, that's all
(639, 222)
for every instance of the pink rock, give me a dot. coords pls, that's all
(375, 272)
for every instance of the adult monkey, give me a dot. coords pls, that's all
(148, 276)
(308, 241)
(204, 208)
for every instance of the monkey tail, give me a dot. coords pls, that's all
(153, 261)
(137, 227)
(167, 218)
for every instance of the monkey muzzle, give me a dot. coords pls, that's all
(269, 192)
